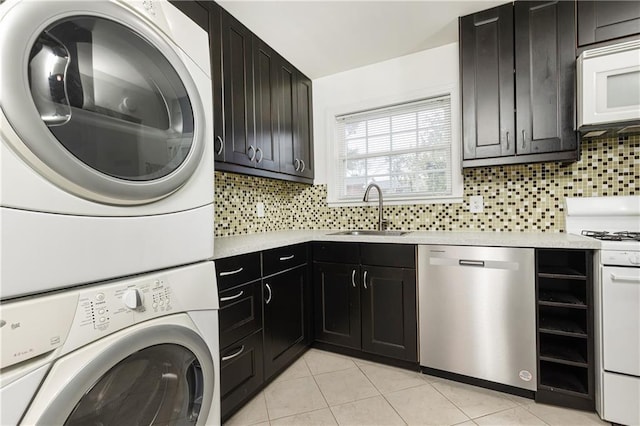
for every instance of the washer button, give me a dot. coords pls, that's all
(100, 297)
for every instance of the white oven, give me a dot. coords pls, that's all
(609, 87)
(615, 221)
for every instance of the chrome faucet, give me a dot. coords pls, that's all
(382, 223)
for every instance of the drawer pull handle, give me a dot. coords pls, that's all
(224, 274)
(364, 280)
(353, 278)
(235, 296)
(228, 357)
(287, 257)
(269, 298)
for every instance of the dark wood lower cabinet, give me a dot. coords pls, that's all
(389, 318)
(241, 372)
(367, 307)
(337, 304)
(285, 313)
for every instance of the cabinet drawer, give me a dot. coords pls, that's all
(397, 255)
(336, 252)
(240, 312)
(282, 258)
(232, 271)
(241, 372)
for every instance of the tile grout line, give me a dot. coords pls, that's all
(453, 403)
(313, 376)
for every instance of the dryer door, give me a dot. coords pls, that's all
(160, 373)
(102, 101)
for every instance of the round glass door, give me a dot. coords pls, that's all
(159, 385)
(103, 104)
(110, 98)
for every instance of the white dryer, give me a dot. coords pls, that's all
(106, 161)
(138, 351)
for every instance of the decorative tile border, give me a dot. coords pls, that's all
(523, 198)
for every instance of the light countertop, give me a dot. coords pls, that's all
(242, 244)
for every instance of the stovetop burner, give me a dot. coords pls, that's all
(615, 236)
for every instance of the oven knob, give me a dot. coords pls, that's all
(634, 258)
(132, 299)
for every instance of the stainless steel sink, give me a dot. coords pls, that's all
(368, 232)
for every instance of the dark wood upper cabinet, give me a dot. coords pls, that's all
(286, 117)
(486, 57)
(518, 84)
(266, 107)
(237, 66)
(545, 76)
(600, 21)
(263, 117)
(303, 126)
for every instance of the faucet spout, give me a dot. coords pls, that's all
(381, 221)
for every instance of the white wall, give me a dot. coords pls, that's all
(380, 84)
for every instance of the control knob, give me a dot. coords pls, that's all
(634, 258)
(132, 299)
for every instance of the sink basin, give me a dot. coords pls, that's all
(376, 233)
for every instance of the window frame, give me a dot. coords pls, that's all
(333, 155)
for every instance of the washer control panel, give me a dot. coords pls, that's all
(69, 319)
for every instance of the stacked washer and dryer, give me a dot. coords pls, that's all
(108, 297)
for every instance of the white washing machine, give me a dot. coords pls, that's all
(106, 119)
(138, 351)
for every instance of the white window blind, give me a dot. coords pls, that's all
(405, 149)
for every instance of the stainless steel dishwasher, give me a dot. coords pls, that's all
(477, 312)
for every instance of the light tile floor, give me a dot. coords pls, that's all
(323, 388)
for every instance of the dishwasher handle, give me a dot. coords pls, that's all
(475, 263)
(466, 262)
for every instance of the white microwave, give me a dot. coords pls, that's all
(609, 89)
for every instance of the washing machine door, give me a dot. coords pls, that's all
(102, 101)
(160, 374)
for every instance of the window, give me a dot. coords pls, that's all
(407, 149)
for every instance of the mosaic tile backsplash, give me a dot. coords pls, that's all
(521, 198)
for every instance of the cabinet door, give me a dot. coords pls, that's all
(486, 58)
(337, 303)
(240, 312)
(241, 372)
(266, 112)
(238, 91)
(545, 76)
(607, 20)
(215, 49)
(289, 161)
(389, 320)
(303, 125)
(285, 313)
